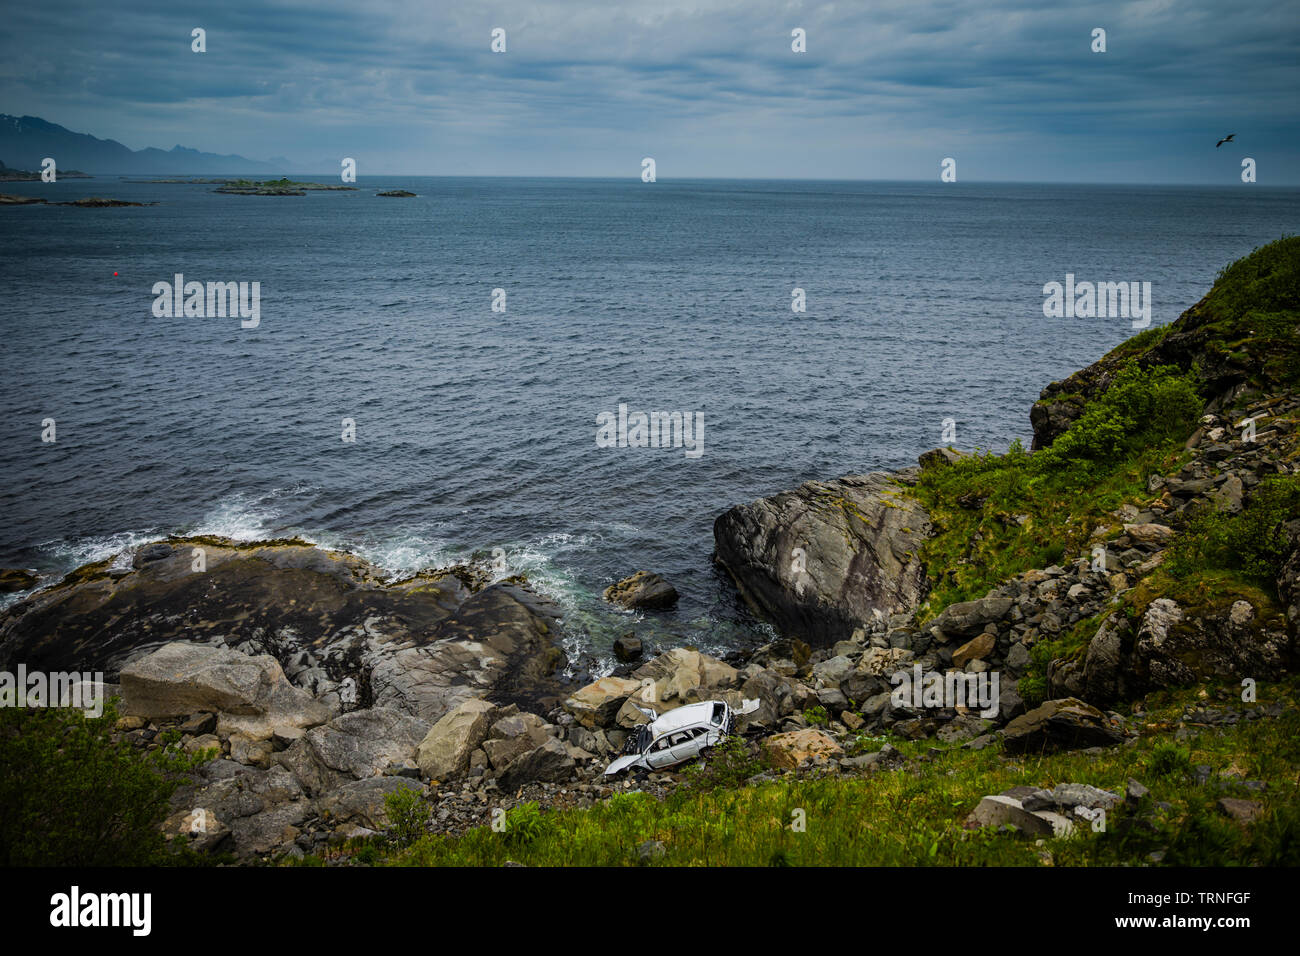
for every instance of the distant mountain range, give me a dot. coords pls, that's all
(26, 140)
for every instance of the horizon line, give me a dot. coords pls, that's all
(633, 178)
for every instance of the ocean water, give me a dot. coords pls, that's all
(477, 429)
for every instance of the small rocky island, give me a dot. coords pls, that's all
(93, 202)
(276, 187)
(401, 193)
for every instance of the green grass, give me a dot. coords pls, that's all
(1250, 316)
(914, 816)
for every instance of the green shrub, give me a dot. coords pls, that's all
(1142, 407)
(70, 796)
(729, 764)
(1033, 689)
(1252, 542)
(408, 816)
(816, 715)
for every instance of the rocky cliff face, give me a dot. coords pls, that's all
(829, 557)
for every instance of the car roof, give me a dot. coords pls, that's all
(688, 716)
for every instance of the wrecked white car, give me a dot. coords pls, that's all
(678, 735)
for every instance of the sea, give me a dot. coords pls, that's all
(478, 334)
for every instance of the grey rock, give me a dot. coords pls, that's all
(1066, 724)
(627, 648)
(362, 801)
(251, 694)
(642, 590)
(550, 763)
(968, 618)
(858, 541)
(1134, 792)
(444, 750)
(1007, 811)
(1066, 796)
(352, 746)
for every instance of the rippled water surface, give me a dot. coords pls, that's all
(476, 429)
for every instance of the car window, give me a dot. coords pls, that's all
(662, 743)
(680, 738)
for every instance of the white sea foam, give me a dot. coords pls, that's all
(246, 517)
(68, 555)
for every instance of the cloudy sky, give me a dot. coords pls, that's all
(886, 89)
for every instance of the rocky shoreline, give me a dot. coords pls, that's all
(321, 688)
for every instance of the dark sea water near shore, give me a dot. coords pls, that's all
(475, 429)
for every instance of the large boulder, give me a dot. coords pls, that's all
(445, 750)
(828, 557)
(1105, 667)
(353, 746)
(1065, 724)
(270, 831)
(512, 736)
(260, 810)
(968, 618)
(776, 696)
(251, 694)
(1226, 640)
(340, 629)
(682, 674)
(789, 750)
(548, 763)
(1002, 810)
(597, 704)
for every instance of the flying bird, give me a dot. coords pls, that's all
(1226, 139)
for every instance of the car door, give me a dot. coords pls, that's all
(660, 753)
(687, 744)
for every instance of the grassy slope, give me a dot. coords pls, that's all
(1001, 515)
(914, 816)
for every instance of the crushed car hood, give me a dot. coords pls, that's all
(622, 762)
